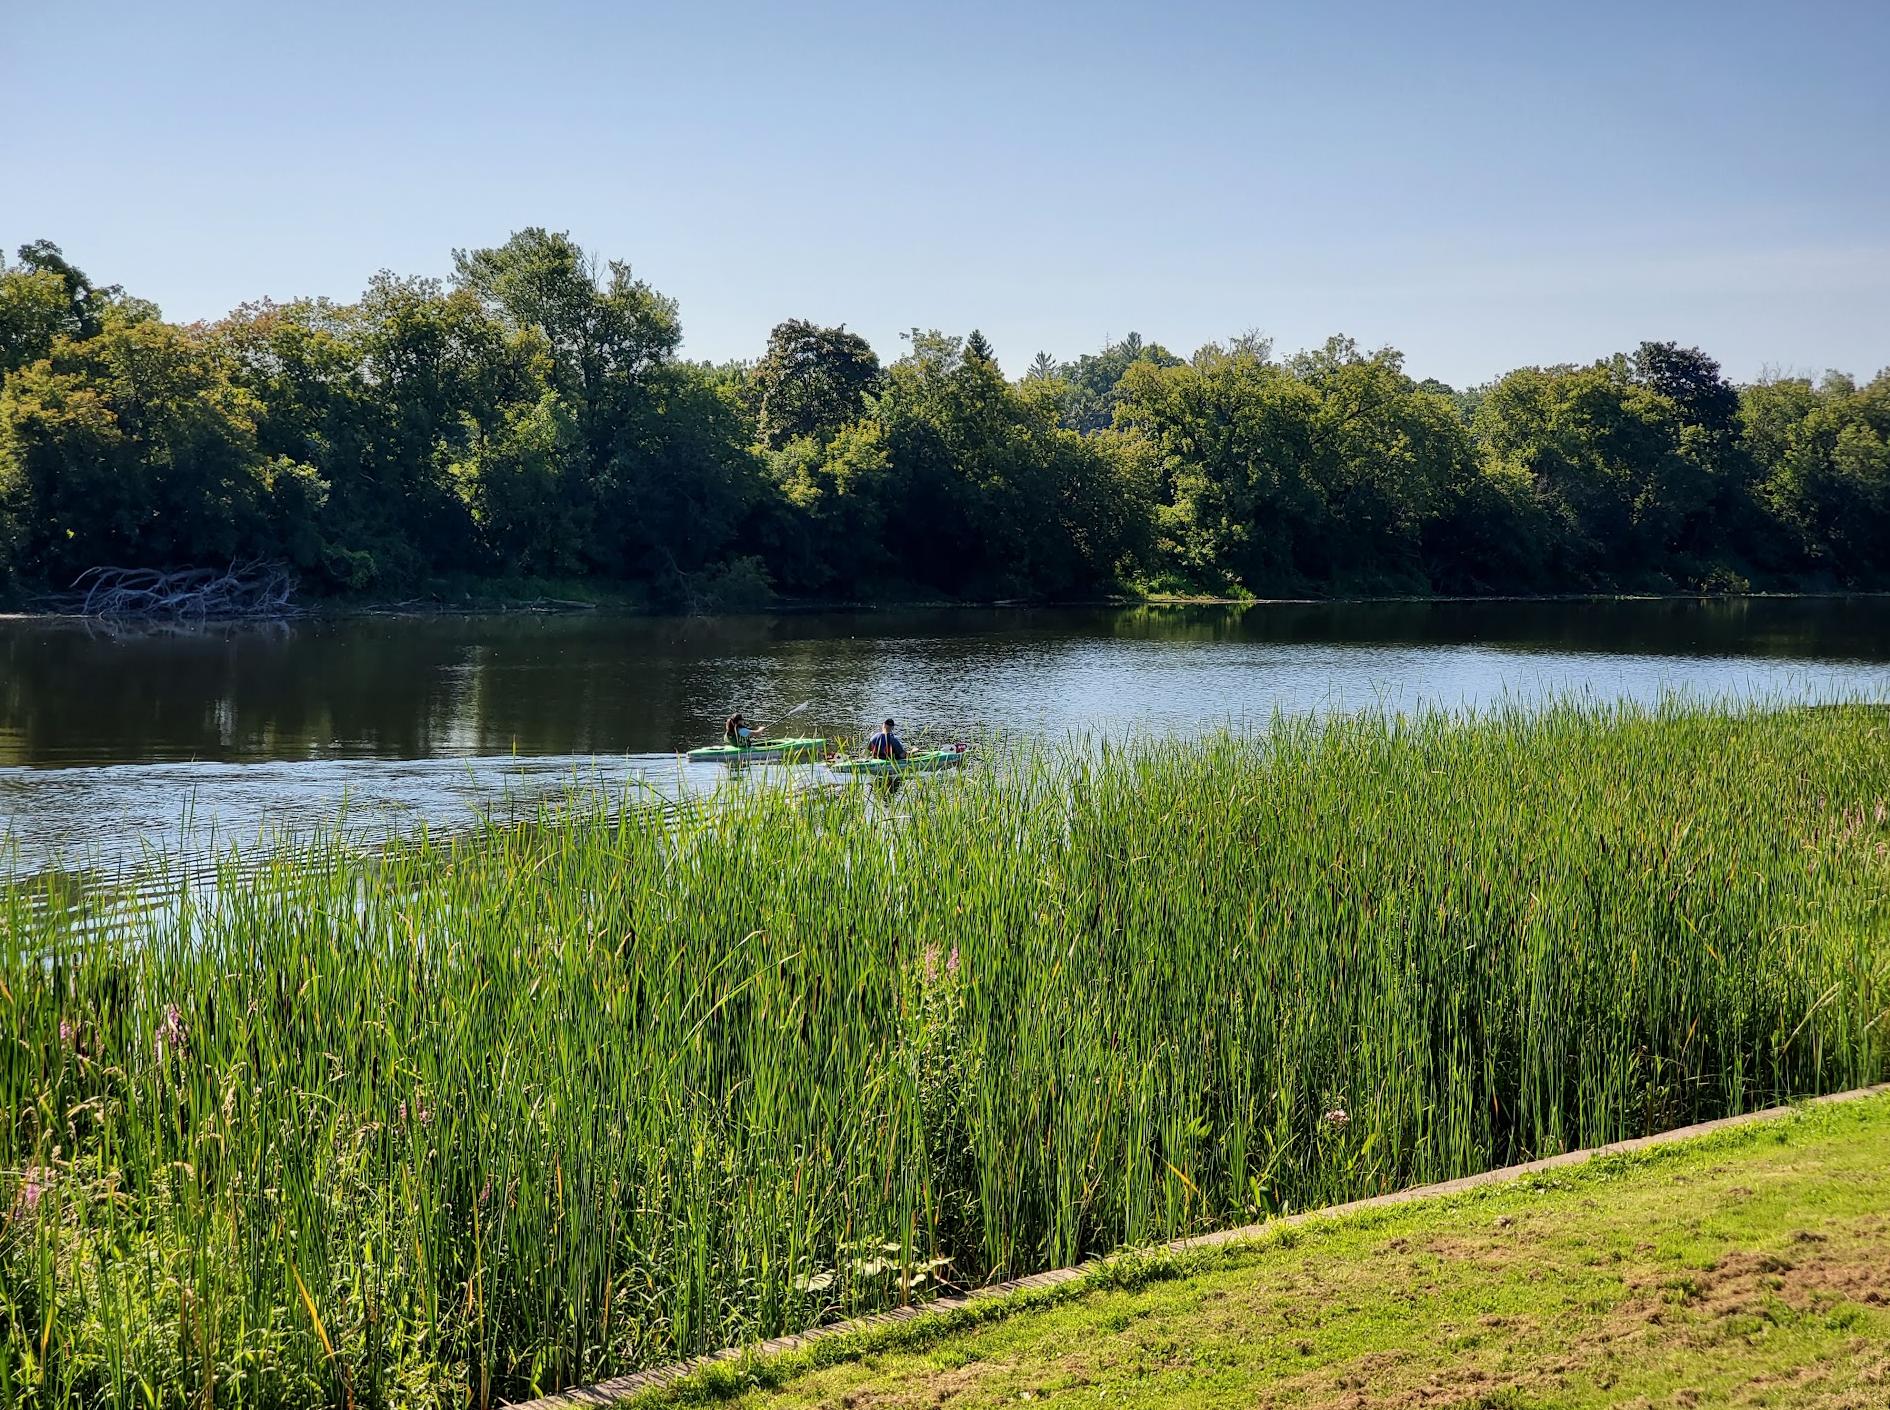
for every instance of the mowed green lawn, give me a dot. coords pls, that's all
(1746, 1268)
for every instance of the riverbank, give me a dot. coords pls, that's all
(484, 1116)
(552, 596)
(1744, 1267)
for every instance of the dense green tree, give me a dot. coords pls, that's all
(1464, 402)
(390, 399)
(992, 496)
(303, 365)
(1608, 457)
(666, 477)
(1090, 401)
(1729, 525)
(1690, 380)
(134, 448)
(826, 533)
(88, 305)
(45, 296)
(1233, 435)
(1491, 534)
(33, 312)
(1382, 455)
(608, 332)
(532, 418)
(680, 481)
(1826, 457)
(516, 479)
(85, 303)
(1327, 469)
(810, 382)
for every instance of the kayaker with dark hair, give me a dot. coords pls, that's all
(885, 744)
(736, 731)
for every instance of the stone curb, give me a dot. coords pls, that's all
(607, 1393)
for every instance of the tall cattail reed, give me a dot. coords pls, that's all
(479, 1116)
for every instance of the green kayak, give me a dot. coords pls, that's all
(766, 752)
(931, 761)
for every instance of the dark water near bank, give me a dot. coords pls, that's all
(112, 740)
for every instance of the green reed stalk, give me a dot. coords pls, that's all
(480, 1116)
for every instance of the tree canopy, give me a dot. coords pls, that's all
(530, 417)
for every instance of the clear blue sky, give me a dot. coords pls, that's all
(1480, 185)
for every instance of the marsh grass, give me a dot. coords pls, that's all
(481, 1116)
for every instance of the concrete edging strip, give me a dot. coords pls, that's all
(609, 1392)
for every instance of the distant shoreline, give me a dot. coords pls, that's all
(624, 605)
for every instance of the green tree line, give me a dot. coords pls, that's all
(530, 417)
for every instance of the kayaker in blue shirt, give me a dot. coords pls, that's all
(736, 731)
(885, 744)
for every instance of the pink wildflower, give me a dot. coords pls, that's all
(172, 1036)
(68, 1032)
(1337, 1119)
(38, 1181)
(951, 964)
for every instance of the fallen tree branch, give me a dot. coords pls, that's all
(242, 590)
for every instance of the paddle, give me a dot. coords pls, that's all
(763, 729)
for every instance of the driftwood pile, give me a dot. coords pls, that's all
(259, 590)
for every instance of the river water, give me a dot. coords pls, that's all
(113, 742)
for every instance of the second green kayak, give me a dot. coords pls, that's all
(770, 751)
(930, 761)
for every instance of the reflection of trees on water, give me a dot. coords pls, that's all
(389, 687)
(403, 688)
(1781, 628)
(265, 691)
(145, 628)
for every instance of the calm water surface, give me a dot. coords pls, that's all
(113, 741)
